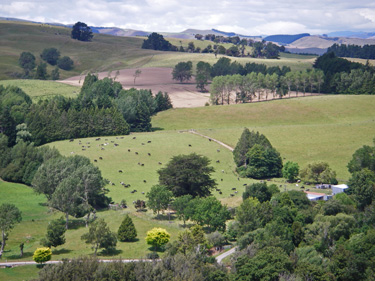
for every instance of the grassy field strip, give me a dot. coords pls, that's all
(38, 89)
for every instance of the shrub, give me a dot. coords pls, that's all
(42, 255)
(65, 63)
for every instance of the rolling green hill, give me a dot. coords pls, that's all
(104, 53)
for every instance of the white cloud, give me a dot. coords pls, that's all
(252, 17)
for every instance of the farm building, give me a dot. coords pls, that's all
(339, 188)
(315, 196)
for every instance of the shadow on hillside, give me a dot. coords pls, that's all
(61, 251)
(17, 257)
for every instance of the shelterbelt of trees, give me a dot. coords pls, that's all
(353, 51)
(101, 108)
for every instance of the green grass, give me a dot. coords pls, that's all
(104, 53)
(41, 89)
(323, 128)
(19, 273)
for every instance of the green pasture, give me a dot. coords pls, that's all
(37, 89)
(104, 53)
(305, 130)
(28, 272)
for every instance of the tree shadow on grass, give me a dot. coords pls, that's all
(76, 223)
(130, 241)
(154, 129)
(109, 252)
(165, 217)
(17, 257)
(61, 251)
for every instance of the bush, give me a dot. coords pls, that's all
(50, 55)
(152, 256)
(42, 255)
(65, 63)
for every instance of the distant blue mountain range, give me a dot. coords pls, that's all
(284, 38)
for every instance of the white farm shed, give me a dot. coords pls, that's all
(338, 188)
(314, 196)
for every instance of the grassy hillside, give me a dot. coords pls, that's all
(327, 128)
(42, 89)
(104, 53)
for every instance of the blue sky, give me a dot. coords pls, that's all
(250, 17)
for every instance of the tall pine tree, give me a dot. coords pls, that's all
(126, 231)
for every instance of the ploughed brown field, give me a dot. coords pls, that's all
(160, 79)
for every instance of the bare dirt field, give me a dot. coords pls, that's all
(155, 79)
(160, 79)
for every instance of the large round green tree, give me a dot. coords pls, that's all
(188, 174)
(81, 32)
(126, 231)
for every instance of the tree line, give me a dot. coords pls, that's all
(101, 108)
(344, 77)
(238, 88)
(260, 49)
(353, 51)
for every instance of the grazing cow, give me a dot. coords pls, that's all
(83, 149)
(149, 154)
(71, 140)
(112, 141)
(209, 139)
(88, 142)
(112, 183)
(134, 138)
(233, 188)
(143, 192)
(98, 139)
(95, 160)
(101, 158)
(136, 153)
(190, 145)
(120, 171)
(217, 161)
(142, 164)
(160, 163)
(121, 137)
(222, 171)
(144, 181)
(236, 191)
(232, 194)
(102, 148)
(148, 141)
(218, 150)
(221, 179)
(220, 192)
(128, 150)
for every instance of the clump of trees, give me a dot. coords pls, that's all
(353, 51)
(255, 157)
(188, 175)
(100, 236)
(72, 185)
(156, 41)
(182, 71)
(319, 172)
(345, 77)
